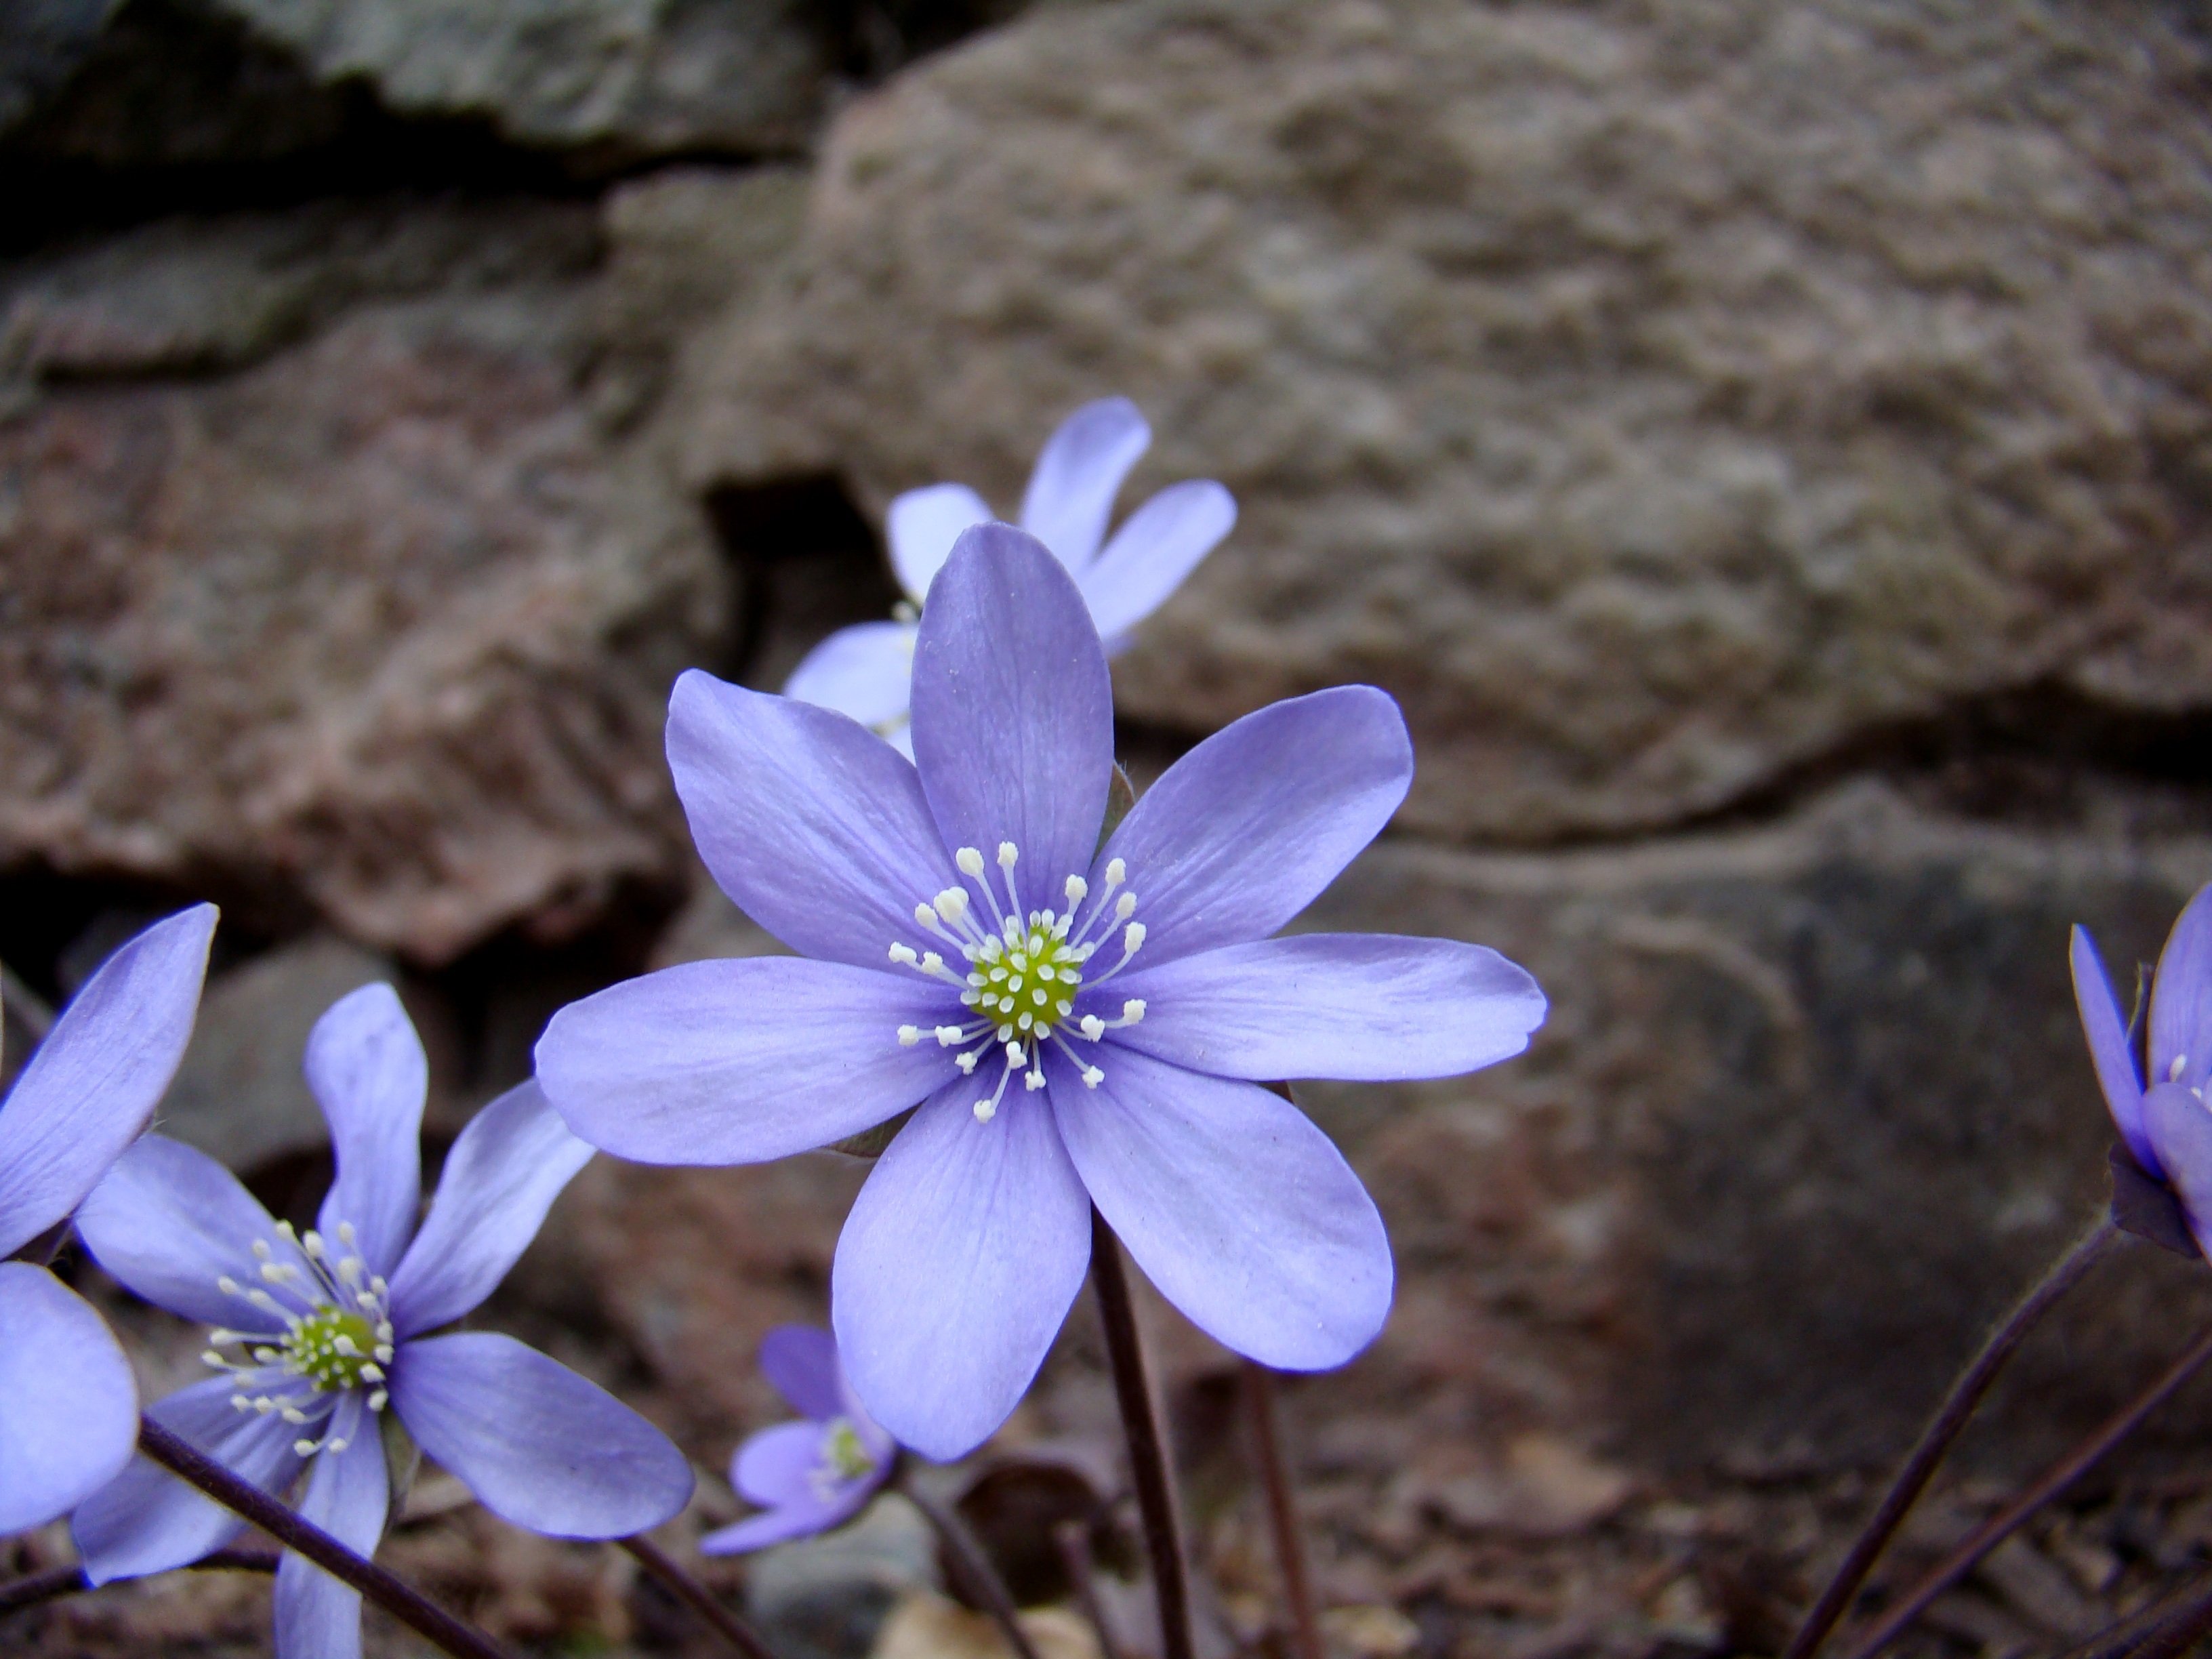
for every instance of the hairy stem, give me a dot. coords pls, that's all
(295, 1532)
(1072, 1539)
(741, 1636)
(56, 1581)
(1935, 1439)
(1282, 1510)
(2053, 1480)
(977, 1577)
(1148, 1457)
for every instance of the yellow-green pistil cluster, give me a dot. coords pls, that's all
(842, 1454)
(1023, 972)
(1030, 986)
(333, 1349)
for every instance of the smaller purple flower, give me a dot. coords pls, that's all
(320, 1332)
(865, 670)
(68, 1408)
(811, 1475)
(2165, 1124)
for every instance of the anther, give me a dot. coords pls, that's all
(969, 860)
(1132, 1010)
(1007, 854)
(904, 956)
(1077, 888)
(1125, 907)
(2180, 1065)
(346, 1234)
(1092, 1077)
(925, 915)
(1131, 937)
(947, 1035)
(909, 1035)
(1117, 873)
(1033, 1082)
(376, 1400)
(1093, 1027)
(985, 1110)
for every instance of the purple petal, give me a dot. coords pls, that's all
(816, 828)
(2106, 1028)
(922, 525)
(147, 1520)
(780, 1526)
(957, 1268)
(503, 1174)
(1148, 558)
(737, 1061)
(69, 1410)
(89, 1089)
(1073, 486)
(1014, 714)
(1367, 1006)
(778, 1466)
(801, 1361)
(1234, 1205)
(1245, 831)
(861, 671)
(536, 1444)
(169, 1222)
(2179, 1124)
(347, 1494)
(2181, 999)
(366, 1068)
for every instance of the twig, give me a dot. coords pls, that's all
(295, 1532)
(977, 1576)
(2179, 1630)
(741, 1636)
(2120, 1636)
(1282, 1510)
(1935, 1439)
(2054, 1479)
(1148, 1458)
(1072, 1539)
(56, 1581)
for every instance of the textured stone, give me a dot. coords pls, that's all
(1811, 1108)
(1656, 398)
(381, 623)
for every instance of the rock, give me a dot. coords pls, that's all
(927, 1626)
(830, 1597)
(380, 625)
(241, 1095)
(1658, 400)
(1812, 1108)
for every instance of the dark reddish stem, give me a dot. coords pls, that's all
(2054, 1479)
(1935, 1439)
(971, 1567)
(741, 1636)
(1072, 1539)
(1282, 1510)
(57, 1582)
(295, 1532)
(1148, 1454)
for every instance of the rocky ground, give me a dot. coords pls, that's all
(1765, 449)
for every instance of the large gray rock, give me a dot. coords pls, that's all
(1811, 1109)
(381, 621)
(1656, 399)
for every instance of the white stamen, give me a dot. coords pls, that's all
(1132, 1010)
(947, 1035)
(1077, 889)
(953, 905)
(1093, 1027)
(969, 860)
(909, 1035)
(904, 955)
(925, 915)
(1117, 873)
(376, 1402)
(1125, 907)
(1092, 1077)
(346, 1234)
(985, 1110)
(1007, 854)
(2180, 1065)
(1033, 1082)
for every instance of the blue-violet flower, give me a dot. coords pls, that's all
(319, 1331)
(2167, 1125)
(864, 671)
(1080, 1024)
(68, 1408)
(813, 1474)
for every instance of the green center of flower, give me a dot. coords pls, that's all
(842, 1454)
(331, 1348)
(1029, 984)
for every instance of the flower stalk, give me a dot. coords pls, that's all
(2054, 1479)
(740, 1637)
(1148, 1459)
(973, 1567)
(1966, 1393)
(37, 1589)
(1072, 1539)
(295, 1532)
(1282, 1510)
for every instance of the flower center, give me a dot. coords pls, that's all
(337, 1330)
(1025, 971)
(843, 1456)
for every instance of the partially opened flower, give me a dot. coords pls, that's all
(1081, 1024)
(813, 1474)
(320, 1332)
(68, 1408)
(864, 671)
(2167, 1125)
